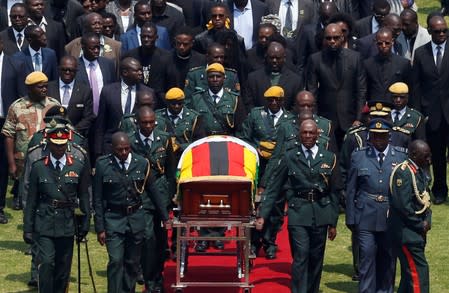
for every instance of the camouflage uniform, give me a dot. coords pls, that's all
(24, 118)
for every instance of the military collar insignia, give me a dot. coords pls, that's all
(325, 166)
(69, 160)
(47, 160)
(398, 182)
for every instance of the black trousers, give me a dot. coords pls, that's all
(438, 142)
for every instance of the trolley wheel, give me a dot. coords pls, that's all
(247, 290)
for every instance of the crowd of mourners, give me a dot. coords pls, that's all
(345, 101)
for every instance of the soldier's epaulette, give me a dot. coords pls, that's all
(46, 157)
(361, 149)
(231, 91)
(197, 68)
(230, 69)
(400, 129)
(192, 112)
(198, 90)
(355, 129)
(34, 147)
(400, 149)
(415, 111)
(80, 148)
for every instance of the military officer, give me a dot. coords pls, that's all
(221, 109)
(312, 205)
(35, 153)
(58, 186)
(144, 97)
(402, 115)
(59, 111)
(24, 118)
(154, 144)
(123, 183)
(367, 205)
(410, 217)
(259, 129)
(196, 78)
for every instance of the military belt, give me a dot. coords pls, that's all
(311, 195)
(61, 204)
(378, 197)
(125, 210)
(218, 133)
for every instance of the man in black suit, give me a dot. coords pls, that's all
(274, 73)
(65, 12)
(431, 98)
(385, 68)
(247, 25)
(336, 77)
(116, 100)
(73, 95)
(371, 24)
(35, 56)
(14, 36)
(158, 71)
(91, 62)
(11, 88)
(53, 30)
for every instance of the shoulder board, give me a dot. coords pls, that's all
(53, 100)
(361, 149)
(34, 147)
(80, 148)
(400, 129)
(161, 112)
(18, 101)
(355, 129)
(231, 70)
(105, 157)
(400, 149)
(191, 111)
(197, 68)
(198, 90)
(228, 90)
(40, 159)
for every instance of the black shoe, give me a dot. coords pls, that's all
(439, 200)
(218, 244)
(140, 279)
(270, 252)
(28, 251)
(444, 11)
(202, 246)
(355, 277)
(32, 283)
(254, 252)
(3, 218)
(17, 205)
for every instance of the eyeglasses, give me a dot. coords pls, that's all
(379, 43)
(16, 16)
(217, 15)
(439, 31)
(329, 38)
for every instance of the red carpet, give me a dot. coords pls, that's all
(266, 275)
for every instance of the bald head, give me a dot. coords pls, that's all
(393, 22)
(304, 101)
(333, 37)
(419, 152)
(119, 137)
(305, 115)
(326, 11)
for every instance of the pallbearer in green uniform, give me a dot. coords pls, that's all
(58, 189)
(260, 130)
(402, 115)
(154, 145)
(222, 112)
(410, 217)
(123, 183)
(312, 205)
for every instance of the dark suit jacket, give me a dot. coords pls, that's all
(259, 9)
(109, 116)
(56, 37)
(366, 47)
(68, 19)
(130, 39)
(381, 74)
(13, 86)
(431, 88)
(306, 45)
(80, 109)
(306, 12)
(339, 98)
(3, 16)
(107, 68)
(49, 62)
(259, 82)
(9, 41)
(363, 27)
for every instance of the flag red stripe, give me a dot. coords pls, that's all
(237, 159)
(200, 160)
(413, 271)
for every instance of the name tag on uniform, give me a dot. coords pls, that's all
(79, 105)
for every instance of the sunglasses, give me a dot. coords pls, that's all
(63, 69)
(329, 38)
(379, 43)
(439, 31)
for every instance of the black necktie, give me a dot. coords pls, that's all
(215, 97)
(122, 164)
(173, 118)
(19, 40)
(396, 116)
(381, 158)
(128, 102)
(309, 156)
(273, 116)
(146, 141)
(288, 27)
(439, 58)
(398, 49)
(58, 165)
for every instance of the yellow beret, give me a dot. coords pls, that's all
(215, 67)
(274, 92)
(398, 88)
(175, 93)
(35, 77)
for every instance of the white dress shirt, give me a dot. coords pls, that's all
(243, 23)
(127, 161)
(62, 89)
(219, 94)
(62, 161)
(434, 50)
(179, 116)
(314, 150)
(283, 12)
(401, 113)
(150, 138)
(32, 53)
(276, 115)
